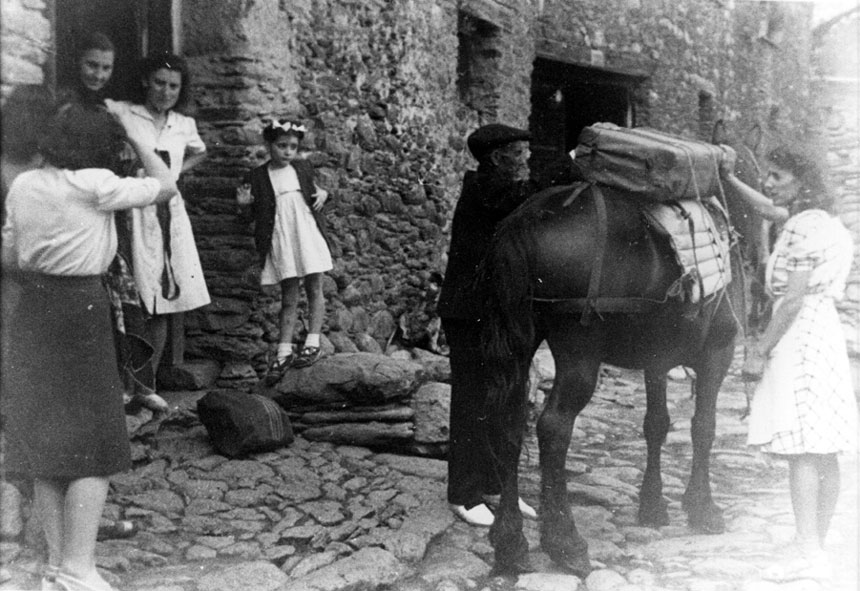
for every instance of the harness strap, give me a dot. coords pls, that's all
(605, 305)
(599, 252)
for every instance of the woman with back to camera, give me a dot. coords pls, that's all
(94, 67)
(804, 408)
(167, 268)
(62, 410)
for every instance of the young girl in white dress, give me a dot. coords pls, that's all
(290, 235)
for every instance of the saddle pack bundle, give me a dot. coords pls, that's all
(700, 242)
(652, 164)
(240, 423)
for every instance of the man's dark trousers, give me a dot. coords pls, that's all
(472, 465)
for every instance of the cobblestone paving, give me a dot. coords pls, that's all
(319, 517)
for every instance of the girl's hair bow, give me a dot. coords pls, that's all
(287, 126)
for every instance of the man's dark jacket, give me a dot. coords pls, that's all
(262, 209)
(487, 198)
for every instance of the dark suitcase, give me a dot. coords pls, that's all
(652, 164)
(239, 423)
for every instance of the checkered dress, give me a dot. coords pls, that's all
(805, 402)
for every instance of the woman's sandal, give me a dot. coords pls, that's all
(49, 579)
(307, 357)
(67, 582)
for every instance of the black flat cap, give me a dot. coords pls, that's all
(487, 138)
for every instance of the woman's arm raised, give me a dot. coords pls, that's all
(155, 167)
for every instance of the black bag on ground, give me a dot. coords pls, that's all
(240, 423)
(654, 165)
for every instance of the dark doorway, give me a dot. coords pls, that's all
(567, 98)
(136, 27)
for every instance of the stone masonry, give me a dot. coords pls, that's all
(390, 90)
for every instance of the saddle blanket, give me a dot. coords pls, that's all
(700, 243)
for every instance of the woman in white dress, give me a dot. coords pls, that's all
(804, 409)
(167, 268)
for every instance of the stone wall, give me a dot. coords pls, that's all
(837, 92)
(390, 90)
(377, 84)
(25, 32)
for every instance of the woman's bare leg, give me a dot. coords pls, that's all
(803, 480)
(48, 502)
(829, 482)
(84, 503)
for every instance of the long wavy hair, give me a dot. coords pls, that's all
(814, 191)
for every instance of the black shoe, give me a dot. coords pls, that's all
(277, 369)
(307, 357)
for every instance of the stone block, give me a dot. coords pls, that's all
(11, 502)
(342, 342)
(366, 434)
(191, 375)
(432, 404)
(367, 343)
(361, 378)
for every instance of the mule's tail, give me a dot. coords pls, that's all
(508, 334)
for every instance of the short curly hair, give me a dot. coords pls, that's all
(78, 137)
(814, 191)
(24, 114)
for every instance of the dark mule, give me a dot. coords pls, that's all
(537, 274)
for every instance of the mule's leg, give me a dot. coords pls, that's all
(506, 437)
(653, 510)
(702, 513)
(573, 387)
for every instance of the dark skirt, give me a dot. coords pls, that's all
(61, 398)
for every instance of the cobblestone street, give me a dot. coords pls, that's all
(319, 517)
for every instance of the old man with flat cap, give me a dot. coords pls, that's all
(499, 185)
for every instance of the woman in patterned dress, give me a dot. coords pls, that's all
(804, 408)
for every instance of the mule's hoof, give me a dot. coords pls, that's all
(578, 565)
(711, 522)
(506, 568)
(654, 517)
(570, 554)
(511, 554)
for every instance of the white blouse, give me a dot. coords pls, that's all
(60, 222)
(179, 137)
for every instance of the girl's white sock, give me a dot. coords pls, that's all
(312, 340)
(285, 350)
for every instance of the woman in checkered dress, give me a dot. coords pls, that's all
(804, 407)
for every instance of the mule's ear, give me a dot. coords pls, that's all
(720, 133)
(753, 137)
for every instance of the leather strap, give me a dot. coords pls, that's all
(606, 305)
(599, 252)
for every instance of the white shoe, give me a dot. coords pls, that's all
(526, 509)
(477, 515)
